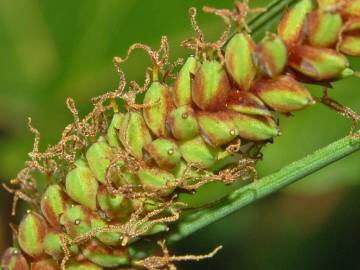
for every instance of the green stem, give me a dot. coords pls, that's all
(267, 185)
(272, 10)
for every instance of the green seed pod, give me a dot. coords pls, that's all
(283, 94)
(104, 256)
(155, 180)
(271, 56)
(81, 186)
(180, 168)
(192, 173)
(14, 260)
(148, 204)
(182, 123)
(217, 128)
(199, 153)
(255, 128)
(210, 86)
(108, 238)
(159, 100)
(318, 64)
(154, 229)
(165, 152)
(350, 45)
(352, 8)
(45, 264)
(352, 26)
(113, 130)
(76, 220)
(32, 231)
(350, 41)
(134, 134)
(115, 206)
(348, 72)
(292, 23)
(239, 62)
(53, 204)
(122, 177)
(328, 4)
(52, 245)
(323, 28)
(182, 87)
(82, 265)
(99, 156)
(246, 102)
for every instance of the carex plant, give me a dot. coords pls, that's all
(114, 178)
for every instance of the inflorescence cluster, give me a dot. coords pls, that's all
(114, 177)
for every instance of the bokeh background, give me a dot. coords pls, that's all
(50, 50)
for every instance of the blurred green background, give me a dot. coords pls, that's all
(50, 50)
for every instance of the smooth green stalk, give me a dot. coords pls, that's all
(267, 185)
(273, 9)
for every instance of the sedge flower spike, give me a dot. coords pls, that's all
(116, 176)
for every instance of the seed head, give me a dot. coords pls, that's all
(32, 231)
(239, 61)
(12, 259)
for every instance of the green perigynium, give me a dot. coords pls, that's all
(239, 60)
(271, 56)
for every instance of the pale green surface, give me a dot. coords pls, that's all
(239, 61)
